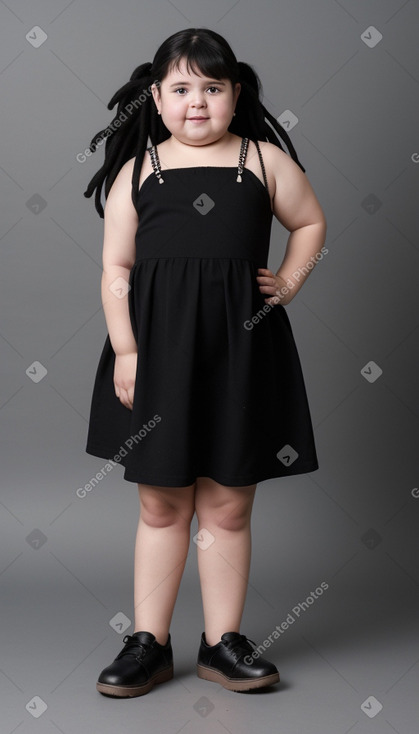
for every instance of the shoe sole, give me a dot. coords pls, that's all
(235, 684)
(131, 691)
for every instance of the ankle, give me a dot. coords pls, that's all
(213, 639)
(161, 637)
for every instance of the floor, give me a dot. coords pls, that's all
(347, 649)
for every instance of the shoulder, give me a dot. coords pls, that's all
(283, 172)
(277, 162)
(123, 181)
(126, 171)
(123, 176)
(280, 169)
(119, 196)
(294, 203)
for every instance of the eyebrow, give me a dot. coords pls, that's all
(187, 84)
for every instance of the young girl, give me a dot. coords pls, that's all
(199, 392)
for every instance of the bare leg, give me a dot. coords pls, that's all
(161, 549)
(224, 566)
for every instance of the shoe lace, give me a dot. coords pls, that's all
(133, 647)
(241, 645)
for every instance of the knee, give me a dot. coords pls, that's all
(158, 513)
(225, 508)
(230, 517)
(238, 519)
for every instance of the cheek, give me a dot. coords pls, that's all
(177, 110)
(224, 105)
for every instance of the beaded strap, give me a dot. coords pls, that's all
(155, 161)
(243, 151)
(262, 164)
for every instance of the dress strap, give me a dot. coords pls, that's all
(242, 158)
(262, 164)
(155, 162)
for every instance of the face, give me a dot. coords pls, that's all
(183, 95)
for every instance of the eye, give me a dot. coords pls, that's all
(182, 89)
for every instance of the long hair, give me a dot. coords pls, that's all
(136, 119)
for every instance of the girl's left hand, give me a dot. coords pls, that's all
(270, 283)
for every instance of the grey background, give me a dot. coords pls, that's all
(67, 562)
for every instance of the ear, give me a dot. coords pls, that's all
(156, 95)
(237, 90)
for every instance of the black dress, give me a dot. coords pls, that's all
(219, 389)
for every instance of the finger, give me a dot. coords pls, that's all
(131, 395)
(264, 280)
(267, 289)
(267, 275)
(263, 273)
(124, 398)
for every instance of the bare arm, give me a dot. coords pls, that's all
(295, 205)
(120, 226)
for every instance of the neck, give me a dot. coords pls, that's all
(182, 148)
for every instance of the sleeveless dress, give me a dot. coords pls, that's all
(219, 388)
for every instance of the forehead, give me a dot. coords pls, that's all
(179, 69)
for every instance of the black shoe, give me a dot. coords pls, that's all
(141, 664)
(231, 664)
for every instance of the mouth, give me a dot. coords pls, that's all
(197, 118)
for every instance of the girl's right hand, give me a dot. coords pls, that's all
(124, 377)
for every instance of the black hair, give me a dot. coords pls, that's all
(137, 119)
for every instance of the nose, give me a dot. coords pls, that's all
(198, 100)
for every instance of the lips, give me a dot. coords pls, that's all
(197, 118)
